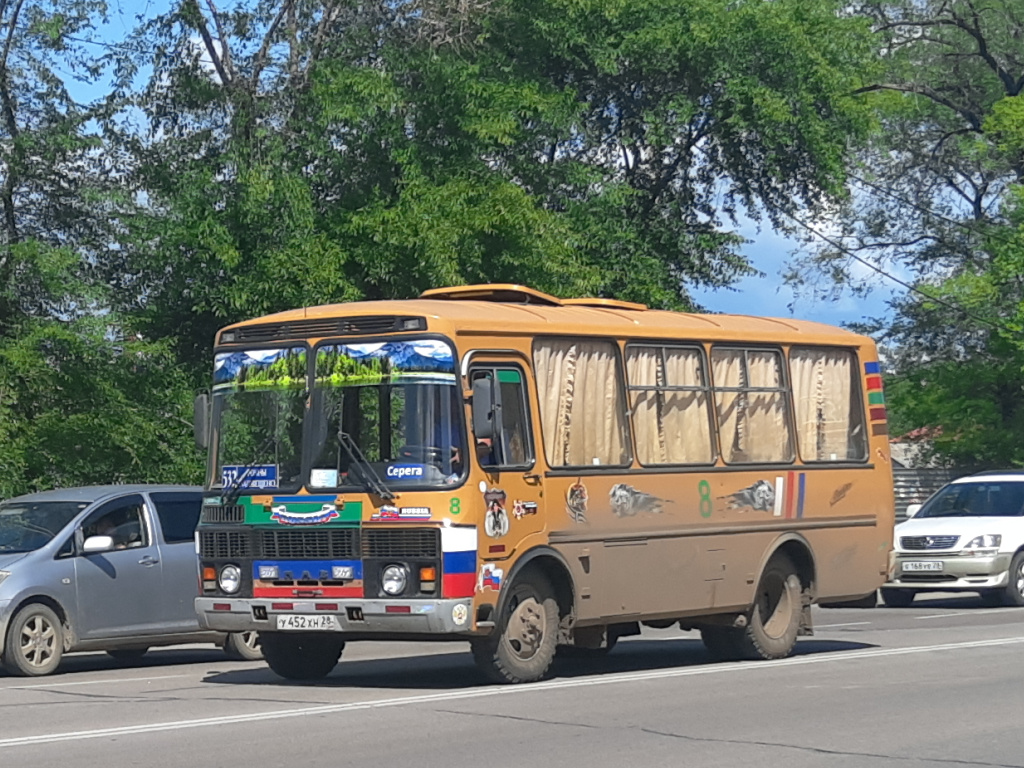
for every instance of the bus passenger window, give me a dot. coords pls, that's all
(668, 395)
(827, 401)
(582, 409)
(752, 405)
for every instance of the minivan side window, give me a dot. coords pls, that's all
(179, 514)
(123, 520)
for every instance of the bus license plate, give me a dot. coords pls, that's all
(312, 623)
(923, 565)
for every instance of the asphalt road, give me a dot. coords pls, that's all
(937, 684)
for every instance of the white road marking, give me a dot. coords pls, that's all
(106, 681)
(847, 624)
(497, 690)
(967, 613)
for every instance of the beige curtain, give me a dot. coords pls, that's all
(670, 427)
(727, 371)
(822, 396)
(579, 386)
(768, 437)
(753, 425)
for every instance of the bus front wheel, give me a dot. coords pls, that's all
(301, 656)
(522, 647)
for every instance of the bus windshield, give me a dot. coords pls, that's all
(396, 405)
(259, 399)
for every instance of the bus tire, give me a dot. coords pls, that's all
(301, 657)
(897, 598)
(775, 617)
(722, 643)
(522, 647)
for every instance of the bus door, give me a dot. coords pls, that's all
(505, 455)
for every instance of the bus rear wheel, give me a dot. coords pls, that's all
(775, 618)
(722, 643)
(522, 647)
(301, 657)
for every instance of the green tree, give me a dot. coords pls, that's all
(310, 151)
(933, 197)
(82, 400)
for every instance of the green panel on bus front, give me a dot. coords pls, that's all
(303, 510)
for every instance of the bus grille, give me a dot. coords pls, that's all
(224, 544)
(340, 544)
(402, 542)
(928, 542)
(234, 513)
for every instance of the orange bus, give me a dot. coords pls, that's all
(500, 466)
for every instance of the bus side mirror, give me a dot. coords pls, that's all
(912, 509)
(201, 421)
(483, 409)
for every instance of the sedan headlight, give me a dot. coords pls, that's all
(230, 579)
(393, 579)
(985, 544)
(4, 575)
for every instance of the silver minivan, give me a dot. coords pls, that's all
(110, 568)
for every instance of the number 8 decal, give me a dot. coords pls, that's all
(704, 491)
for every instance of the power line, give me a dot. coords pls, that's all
(924, 209)
(949, 305)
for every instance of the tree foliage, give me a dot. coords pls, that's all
(934, 200)
(274, 154)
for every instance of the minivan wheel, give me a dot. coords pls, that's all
(1013, 594)
(35, 642)
(243, 646)
(897, 598)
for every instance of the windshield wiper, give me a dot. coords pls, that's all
(231, 494)
(360, 462)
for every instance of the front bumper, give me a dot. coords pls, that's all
(384, 617)
(958, 572)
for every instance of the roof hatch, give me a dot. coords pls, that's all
(506, 293)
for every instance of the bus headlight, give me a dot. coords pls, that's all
(230, 579)
(393, 579)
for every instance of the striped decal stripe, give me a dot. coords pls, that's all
(459, 584)
(458, 566)
(460, 562)
(872, 367)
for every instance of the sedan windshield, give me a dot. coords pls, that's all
(27, 526)
(386, 410)
(976, 500)
(259, 400)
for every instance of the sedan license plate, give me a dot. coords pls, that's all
(311, 623)
(923, 565)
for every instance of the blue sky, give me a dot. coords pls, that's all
(769, 252)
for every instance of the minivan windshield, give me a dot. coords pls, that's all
(27, 526)
(1000, 499)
